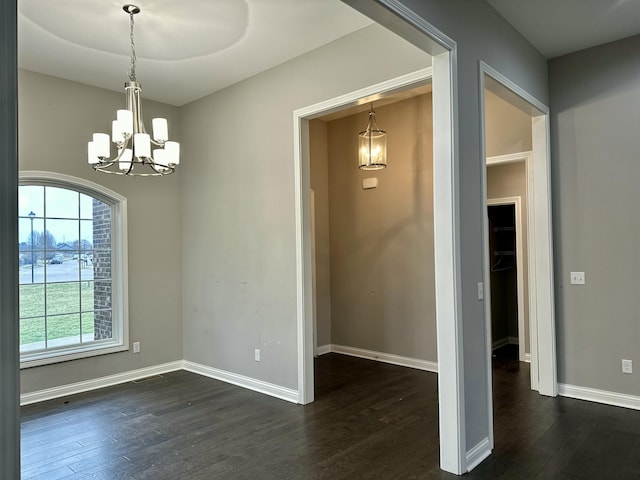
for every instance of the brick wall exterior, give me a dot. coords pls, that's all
(102, 270)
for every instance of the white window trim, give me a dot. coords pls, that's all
(119, 277)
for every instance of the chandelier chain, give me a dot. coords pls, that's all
(132, 68)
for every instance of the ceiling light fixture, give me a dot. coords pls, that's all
(134, 145)
(373, 145)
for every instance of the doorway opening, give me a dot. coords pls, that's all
(508, 333)
(516, 141)
(372, 234)
(358, 101)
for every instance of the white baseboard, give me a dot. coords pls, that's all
(386, 358)
(505, 341)
(79, 387)
(527, 357)
(599, 396)
(478, 453)
(500, 343)
(323, 350)
(242, 381)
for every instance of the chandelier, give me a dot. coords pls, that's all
(138, 154)
(373, 145)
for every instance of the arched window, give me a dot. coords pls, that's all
(73, 269)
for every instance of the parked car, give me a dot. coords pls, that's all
(57, 259)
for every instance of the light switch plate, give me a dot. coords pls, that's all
(627, 366)
(577, 278)
(480, 291)
(371, 182)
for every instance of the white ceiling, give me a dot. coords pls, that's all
(185, 49)
(558, 27)
(189, 48)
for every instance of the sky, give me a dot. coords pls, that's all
(69, 214)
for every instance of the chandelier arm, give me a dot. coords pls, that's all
(120, 148)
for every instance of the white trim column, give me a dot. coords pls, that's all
(545, 307)
(9, 359)
(446, 234)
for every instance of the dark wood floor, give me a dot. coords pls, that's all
(370, 421)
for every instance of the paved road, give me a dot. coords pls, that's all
(67, 271)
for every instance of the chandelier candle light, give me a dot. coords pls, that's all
(133, 143)
(373, 145)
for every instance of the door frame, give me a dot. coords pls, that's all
(539, 231)
(304, 237)
(314, 278)
(447, 267)
(517, 203)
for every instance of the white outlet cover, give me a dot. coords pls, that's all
(627, 366)
(577, 278)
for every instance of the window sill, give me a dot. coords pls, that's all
(49, 357)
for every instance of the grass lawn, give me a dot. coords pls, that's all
(61, 299)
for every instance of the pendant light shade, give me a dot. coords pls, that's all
(372, 145)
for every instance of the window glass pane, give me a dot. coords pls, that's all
(62, 234)
(86, 296)
(102, 325)
(61, 267)
(31, 267)
(63, 298)
(102, 264)
(62, 203)
(63, 330)
(86, 266)
(28, 239)
(63, 245)
(88, 319)
(86, 206)
(31, 300)
(101, 229)
(32, 334)
(30, 199)
(86, 235)
(102, 294)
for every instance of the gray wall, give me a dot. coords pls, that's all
(319, 179)
(480, 34)
(239, 275)
(510, 181)
(382, 266)
(56, 119)
(595, 174)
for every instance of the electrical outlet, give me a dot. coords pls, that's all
(627, 366)
(256, 354)
(480, 291)
(577, 278)
(136, 347)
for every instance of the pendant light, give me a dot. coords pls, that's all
(138, 153)
(373, 145)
